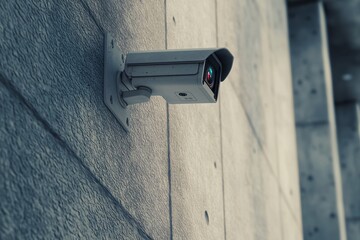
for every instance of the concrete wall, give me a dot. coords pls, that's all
(348, 130)
(217, 171)
(321, 188)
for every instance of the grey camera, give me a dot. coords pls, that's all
(179, 76)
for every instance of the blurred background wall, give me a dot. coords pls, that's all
(231, 170)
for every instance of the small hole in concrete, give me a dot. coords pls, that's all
(310, 178)
(215, 164)
(332, 215)
(313, 91)
(111, 100)
(174, 20)
(207, 217)
(127, 121)
(182, 94)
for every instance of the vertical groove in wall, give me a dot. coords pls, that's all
(222, 168)
(169, 170)
(273, 96)
(221, 133)
(168, 138)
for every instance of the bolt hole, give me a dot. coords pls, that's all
(183, 94)
(111, 101)
(127, 121)
(207, 217)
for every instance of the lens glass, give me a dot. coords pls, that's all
(210, 76)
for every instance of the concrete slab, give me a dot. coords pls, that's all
(53, 53)
(45, 190)
(251, 190)
(290, 229)
(253, 32)
(346, 74)
(261, 77)
(239, 153)
(308, 64)
(284, 107)
(348, 122)
(321, 188)
(348, 130)
(194, 133)
(319, 211)
(353, 229)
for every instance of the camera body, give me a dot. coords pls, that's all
(179, 76)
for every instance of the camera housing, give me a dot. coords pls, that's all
(179, 76)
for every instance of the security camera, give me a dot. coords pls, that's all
(179, 76)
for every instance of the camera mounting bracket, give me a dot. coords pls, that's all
(117, 95)
(114, 63)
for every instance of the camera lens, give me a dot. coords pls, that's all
(209, 77)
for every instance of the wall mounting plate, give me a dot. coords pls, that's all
(113, 64)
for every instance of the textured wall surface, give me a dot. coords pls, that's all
(321, 189)
(211, 171)
(348, 129)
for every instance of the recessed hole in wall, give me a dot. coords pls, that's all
(111, 99)
(215, 164)
(127, 121)
(347, 77)
(332, 215)
(313, 91)
(316, 229)
(207, 217)
(310, 178)
(182, 94)
(174, 20)
(300, 82)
